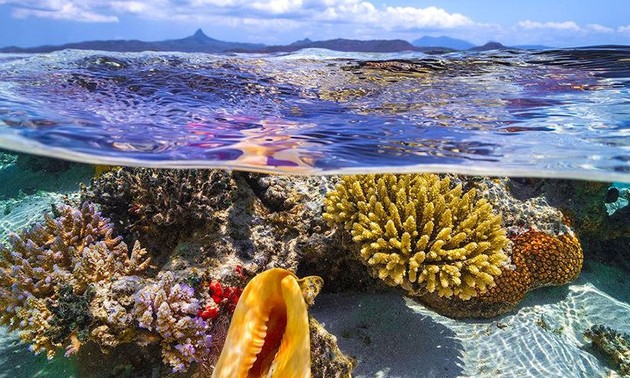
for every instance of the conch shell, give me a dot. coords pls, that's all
(269, 332)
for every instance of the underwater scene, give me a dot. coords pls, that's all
(315, 213)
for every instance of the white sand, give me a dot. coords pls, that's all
(395, 337)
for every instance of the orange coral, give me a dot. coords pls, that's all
(551, 261)
(538, 260)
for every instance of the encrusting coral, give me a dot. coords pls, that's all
(269, 332)
(52, 265)
(170, 309)
(418, 232)
(538, 260)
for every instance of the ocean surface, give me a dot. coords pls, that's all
(561, 113)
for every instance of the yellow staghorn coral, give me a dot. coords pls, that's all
(418, 232)
(269, 333)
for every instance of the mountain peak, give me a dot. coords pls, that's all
(201, 36)
(489, 46)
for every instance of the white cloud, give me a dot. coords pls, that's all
(307, 12)
(624, 29)
(566, 25)
(61, 10)
(278, 6)
(600, 28)
(394, 18)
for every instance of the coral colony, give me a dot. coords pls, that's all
(233, 243)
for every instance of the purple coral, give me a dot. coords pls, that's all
(170, 310)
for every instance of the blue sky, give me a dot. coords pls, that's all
(558, 23)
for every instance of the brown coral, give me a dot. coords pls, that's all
(159, 206)
(550, 260)
(538, 260)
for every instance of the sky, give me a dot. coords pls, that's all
(554, 23)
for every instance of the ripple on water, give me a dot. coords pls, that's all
(552, 114)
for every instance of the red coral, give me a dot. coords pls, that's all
(216, 291)
(208, 312)
(233, 294)
(220, 295)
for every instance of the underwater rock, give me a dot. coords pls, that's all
(612, 195)
(327, 360)
(419, 233)
(519, 215)
(614, 344)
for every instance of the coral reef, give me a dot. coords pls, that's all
(160, 206)
(537, 260)
(417, 232)
(170, 310)
(48, 269)
(614, 344)
(112, 311)
(584, 204)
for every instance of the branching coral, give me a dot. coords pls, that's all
(73, 250)
(159, 205)
(170, 309)
(538, 259)
(417, 232)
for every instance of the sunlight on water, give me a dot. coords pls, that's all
(545, 335)
(551, 114)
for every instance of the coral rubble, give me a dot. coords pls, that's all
(418, 232)
(614, 344)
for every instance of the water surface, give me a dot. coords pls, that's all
(562, 113)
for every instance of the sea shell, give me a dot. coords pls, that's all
(269, 332)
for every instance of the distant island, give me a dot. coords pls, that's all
(200, 42)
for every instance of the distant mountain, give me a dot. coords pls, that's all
(350, 45)
(198, 42)
(532, 47)
(443, 41)
(489, 46)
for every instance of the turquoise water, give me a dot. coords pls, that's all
(539, 118)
